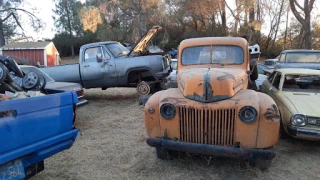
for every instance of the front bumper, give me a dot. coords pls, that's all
(82, 102)
(164, 73)
(212, 150)
(303, 133)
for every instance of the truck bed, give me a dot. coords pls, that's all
(33, 129)
(64, 73)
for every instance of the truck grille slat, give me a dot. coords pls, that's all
(206, 126)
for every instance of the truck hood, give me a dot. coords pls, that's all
(304, 102)
(299, 65)
(211, 84)
(146, 39)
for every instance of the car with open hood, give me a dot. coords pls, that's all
(212, 112)
(297, 94)
(110, 64)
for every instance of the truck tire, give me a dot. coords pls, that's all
(262, 164)
(143, 99)
(163, 154)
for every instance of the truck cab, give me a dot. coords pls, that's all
(212, 112)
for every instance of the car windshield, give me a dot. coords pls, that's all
(269, 62)
(174, 65)
(25, 70)
(212, 55)
(301, 83)
(117, 49)
(303, 57)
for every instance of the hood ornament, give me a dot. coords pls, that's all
(207, 88)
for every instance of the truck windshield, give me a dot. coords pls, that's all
(117, 49)
(303, 57)
(212, 55)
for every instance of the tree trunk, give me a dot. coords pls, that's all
(2, 40)
(143, 23)
(278, 22)
(286, 31)
(223, 15)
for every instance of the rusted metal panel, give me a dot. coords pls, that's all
(32, 55)
(203, 128)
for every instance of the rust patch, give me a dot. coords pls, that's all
(272, 113)
(226, 76)
(174, 100)
(200, 84)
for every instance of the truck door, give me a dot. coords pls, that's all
(97, 68)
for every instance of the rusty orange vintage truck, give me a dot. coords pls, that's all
(212, 112)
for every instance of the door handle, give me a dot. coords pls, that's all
(271, 89)
(86, 65)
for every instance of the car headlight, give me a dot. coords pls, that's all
(168, 111)
(298, 120)
(248, 114)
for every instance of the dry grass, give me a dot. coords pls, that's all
(112, 146)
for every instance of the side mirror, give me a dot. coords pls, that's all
(99, 57)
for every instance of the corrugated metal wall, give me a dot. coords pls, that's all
(32, 55)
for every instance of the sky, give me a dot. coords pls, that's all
(45, 13)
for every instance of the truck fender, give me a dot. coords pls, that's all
(152, 114)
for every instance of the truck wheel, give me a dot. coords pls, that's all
(143, 99)
(262, 164)
(143, 88)
(163, 154)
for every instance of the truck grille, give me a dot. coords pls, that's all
(215, 127)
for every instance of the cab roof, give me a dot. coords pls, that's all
(237, 41)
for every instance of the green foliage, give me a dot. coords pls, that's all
(67, 17)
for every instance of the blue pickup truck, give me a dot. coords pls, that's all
(33, 129)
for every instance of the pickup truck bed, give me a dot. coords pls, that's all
(71, 73)
(33, 129)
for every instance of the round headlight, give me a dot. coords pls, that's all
(298, 120)
(168, 111)
(248, 114)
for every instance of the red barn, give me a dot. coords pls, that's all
(43, 52)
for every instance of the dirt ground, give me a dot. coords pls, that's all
(112, 145)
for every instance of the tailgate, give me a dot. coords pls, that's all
(24, 123)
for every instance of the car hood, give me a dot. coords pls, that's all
(63, 86)
(211, 84)
(304, 102)
(146, 39)
(299, 65)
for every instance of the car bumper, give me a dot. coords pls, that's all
(164, 73)
(82, 102)
(303, 133)
(213, 150)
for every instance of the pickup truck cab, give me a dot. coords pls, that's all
(33, 129)
(308, 59)
(110, 64)
(212, 112)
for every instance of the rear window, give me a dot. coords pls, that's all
(212, 55)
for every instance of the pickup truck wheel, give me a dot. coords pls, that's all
(262, 164)
(163, 154)
(143, 88)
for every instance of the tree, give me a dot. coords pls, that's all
(68, 19)
(302, 14)
(9, 19)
